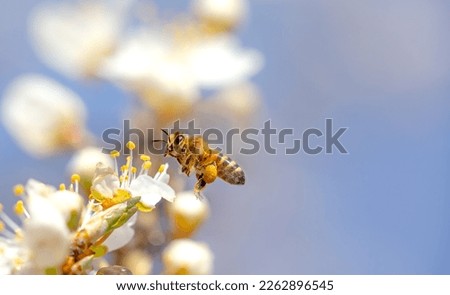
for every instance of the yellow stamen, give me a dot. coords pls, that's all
(18, 190)
(114, 154)
(2, 226)
(146, 165)
(123, 168)
(19, 208)
(19, 234)
(62, 187)
(130, 145)
(161, 168)
(144, 208)
(133, 169)
(145, 158)
(18, 261)
(75, 178)
(51, 271)
(120, 196)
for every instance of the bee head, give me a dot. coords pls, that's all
(176, 144)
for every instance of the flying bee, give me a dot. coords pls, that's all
(194, 154)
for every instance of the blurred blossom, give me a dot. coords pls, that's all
(138, 261)
(70, 204)
(148, 64)
(242, 100)
(74, 37)
(46, 234)
(42, 241)
(84, 163)
(168, 75)
(220, 15)
(43, 116)
(220, 61)
(114, 270)
(187, 213)
(187, 257)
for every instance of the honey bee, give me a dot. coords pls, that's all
(194, 154)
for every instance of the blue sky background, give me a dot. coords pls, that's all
(380, 68)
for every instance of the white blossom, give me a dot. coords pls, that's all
(121, 236)
(43, 239)
(73, 38)
(220, 61)
(227, 13)
(147, 62)
(84, 163)
(43, 116)
(111, 186)
(153, 63)
(185, 256)
(187, 213)
(45, 233)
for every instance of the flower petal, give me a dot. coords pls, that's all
(151, 191)
(221, 62)
(46, 234)
(105, 182)
(119, 238)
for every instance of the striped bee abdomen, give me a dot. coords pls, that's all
(229, 170)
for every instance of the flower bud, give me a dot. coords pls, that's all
(187, 257)
(187, 213)
(220, 15)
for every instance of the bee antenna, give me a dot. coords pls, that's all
(159, 140)
(165, 132)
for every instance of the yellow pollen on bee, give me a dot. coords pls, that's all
(75, 178)
(114, 154)
(19, 208)
(62, 187)
(145, 158)
(210, 173)
(18, 190)
(130, 145)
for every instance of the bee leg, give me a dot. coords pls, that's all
(199, 186)
(185, 170)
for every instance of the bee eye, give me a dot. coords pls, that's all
(179, 139)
